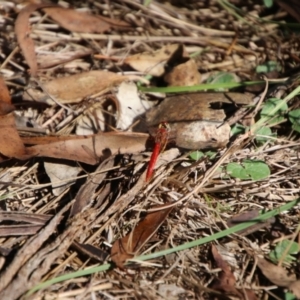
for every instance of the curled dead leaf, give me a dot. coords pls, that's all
(22, 30)
(127, 247)
(276, 274)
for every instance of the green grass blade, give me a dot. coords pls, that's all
(222, 233)
(185, 246)
(264, 120)
(198, 87)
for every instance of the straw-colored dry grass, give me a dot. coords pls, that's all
(205, 198)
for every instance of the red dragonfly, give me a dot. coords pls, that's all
(160, 143)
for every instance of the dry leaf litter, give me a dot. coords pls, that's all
(75, 146)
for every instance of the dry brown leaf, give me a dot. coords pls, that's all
(4, 93)
(68, 18)
(90, 149)
(72, 89)
(22, 30)
(42, 140)
(152, 63)
(185, 74)
(276, 274)
(6, 108)
(5, 102)
(77, 21)
(115, 23)
(11, 144)
(127, 247)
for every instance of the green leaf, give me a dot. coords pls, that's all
(289, 296)
(221, 78)
(237, 129)
(269, 66)
(294, 117)
(269, 107)
(264, 132)
(147, 2)
(263, 120)
(196, 155)
(280, 250)
(268, 3)
(249, 169)
(211, 154)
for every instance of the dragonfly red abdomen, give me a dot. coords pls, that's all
(161, 140)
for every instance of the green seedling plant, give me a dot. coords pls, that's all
(289, 296)
(196, 155)
(284, 252)
(263, 135)
(248, 169)
(294, 117)
(278, 106)
(273, 112)
(279, 115)
(237, 129)
(271, 116)
(269, 66)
